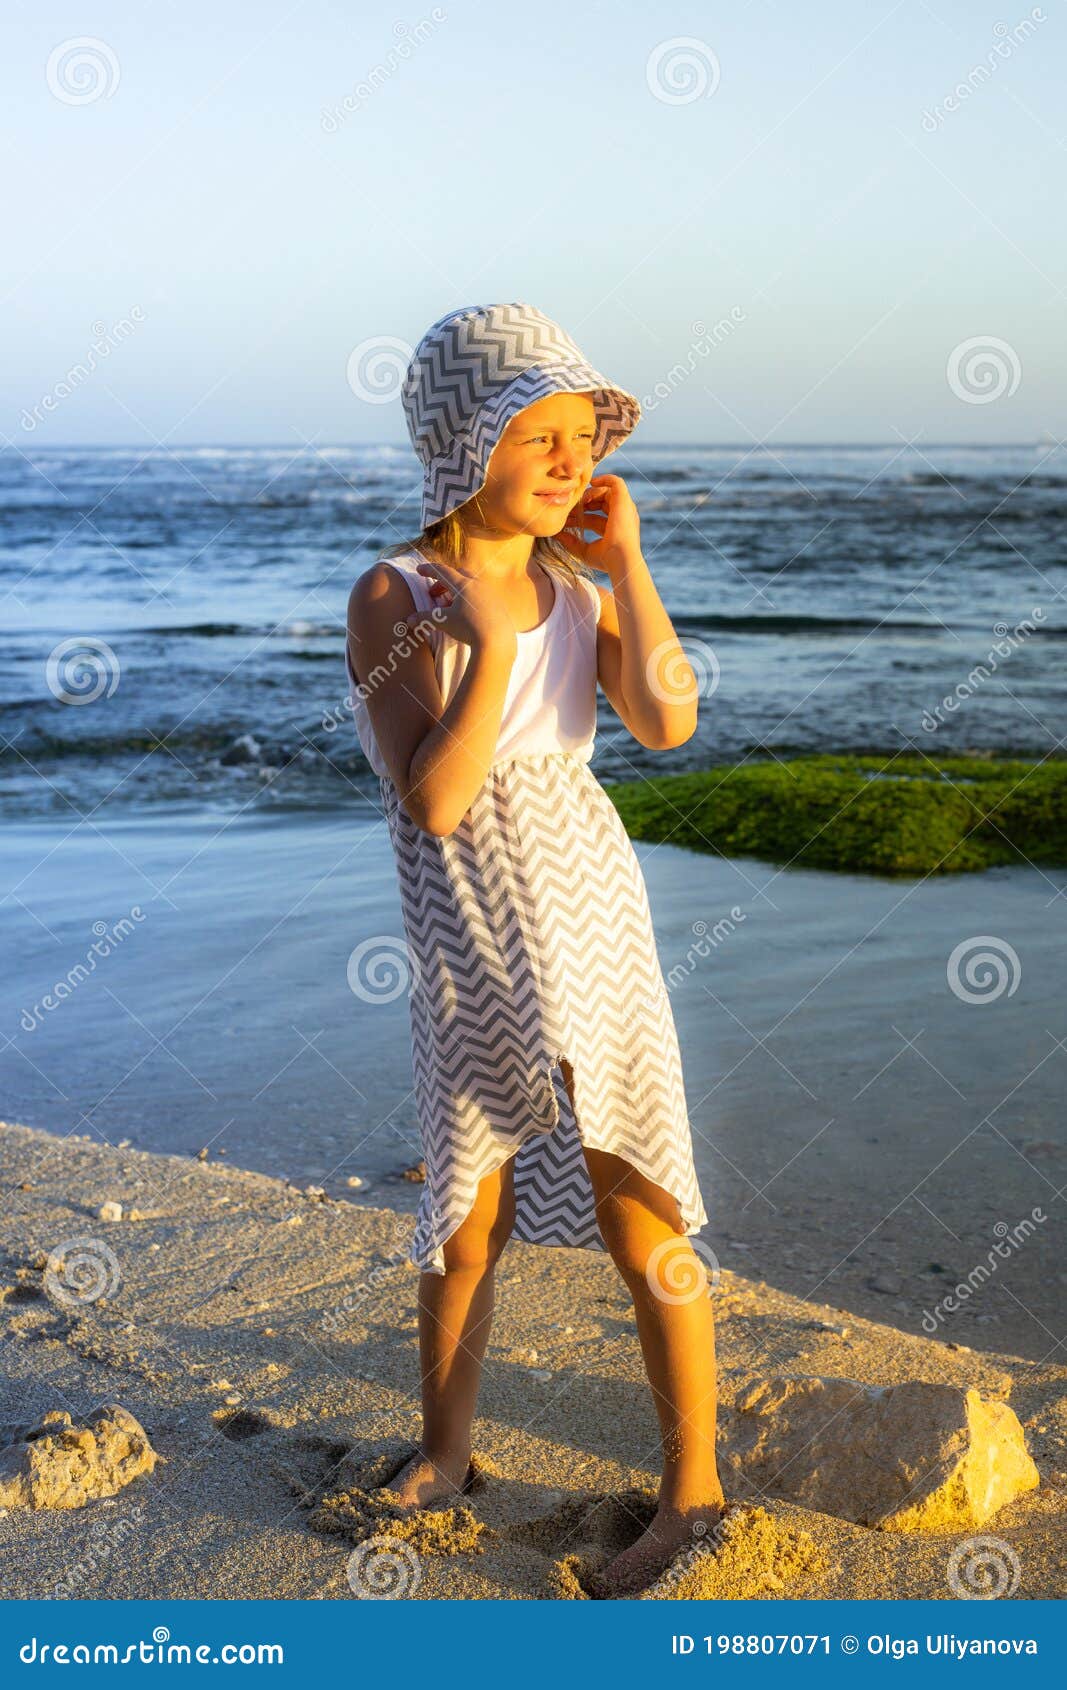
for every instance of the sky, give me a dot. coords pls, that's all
(829, 223)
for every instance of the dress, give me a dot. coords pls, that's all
(530, 938)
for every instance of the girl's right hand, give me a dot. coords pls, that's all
(465, 606)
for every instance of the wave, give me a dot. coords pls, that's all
(298, 630)
(217, 747)
(786, 624)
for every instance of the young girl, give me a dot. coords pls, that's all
(547, 1073)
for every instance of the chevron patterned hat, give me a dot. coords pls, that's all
(472, 372)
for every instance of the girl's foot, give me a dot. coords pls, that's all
(423, 1482)
(669, 1531)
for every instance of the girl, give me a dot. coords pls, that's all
(547, 1073)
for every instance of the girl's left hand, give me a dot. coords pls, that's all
(607, 508)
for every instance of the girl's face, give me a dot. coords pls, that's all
(540, 466)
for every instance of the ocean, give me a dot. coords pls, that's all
(175, 618)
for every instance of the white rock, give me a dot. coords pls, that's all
(916, 1456)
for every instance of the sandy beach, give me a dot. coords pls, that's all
(265, 1340)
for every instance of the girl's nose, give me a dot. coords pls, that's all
(571, 463)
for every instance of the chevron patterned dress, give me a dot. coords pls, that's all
(531, 939)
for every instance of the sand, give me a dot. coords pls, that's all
(266, 1342)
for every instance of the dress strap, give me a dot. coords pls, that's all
(425, 603)
(420, 587)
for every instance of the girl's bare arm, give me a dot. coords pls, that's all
(437, 756)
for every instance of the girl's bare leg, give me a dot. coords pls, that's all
(455, 1316)
(677, 1336)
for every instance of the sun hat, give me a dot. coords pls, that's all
(471, 372)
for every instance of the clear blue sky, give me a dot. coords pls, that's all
(522, 154)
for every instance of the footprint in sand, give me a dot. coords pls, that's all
(353, 1505)
(751, 1554)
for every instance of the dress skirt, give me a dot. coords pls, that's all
(530, 939)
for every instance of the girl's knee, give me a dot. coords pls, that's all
(476, 1245)
(638, 1237)
(478, 1242)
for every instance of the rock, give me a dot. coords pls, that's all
(889, 1283)
(57, 1464)
(244, 749)
(202, 1154)
(416, 1173)
(910, 1457)
(317, 1193)
(354, 1181)
(109, 1211)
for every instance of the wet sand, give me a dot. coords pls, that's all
(862, 1134)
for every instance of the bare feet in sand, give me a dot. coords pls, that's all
(423, 1482)
(670, 1530)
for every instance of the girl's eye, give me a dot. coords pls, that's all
(585, 435)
